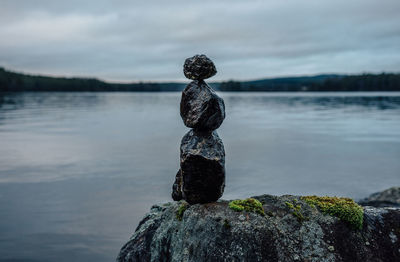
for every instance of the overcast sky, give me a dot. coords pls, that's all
(130, 40)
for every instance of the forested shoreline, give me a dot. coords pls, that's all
(17, 82)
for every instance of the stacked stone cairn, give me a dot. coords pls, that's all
(201, 177)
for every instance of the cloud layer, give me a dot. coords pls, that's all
(125, 40)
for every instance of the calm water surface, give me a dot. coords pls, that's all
(79, 170)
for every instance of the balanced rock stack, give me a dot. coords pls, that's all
(201, 178)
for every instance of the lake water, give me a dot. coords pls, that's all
(79, 170)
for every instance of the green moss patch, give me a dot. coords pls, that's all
(344, 208)
(296, 210)
(249, 205)
(181, 210)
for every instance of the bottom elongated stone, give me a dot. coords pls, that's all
(201, 178)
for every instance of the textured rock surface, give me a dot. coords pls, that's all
(202, 167)
(201, 178)
(177, 187)
(201, 107)
(199, 67)
(214, 232)
(387, 198)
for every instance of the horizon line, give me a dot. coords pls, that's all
(183, 81)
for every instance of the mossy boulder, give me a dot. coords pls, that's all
(293, 229)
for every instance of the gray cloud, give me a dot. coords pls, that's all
(148, 40)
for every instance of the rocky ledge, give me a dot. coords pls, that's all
(387, 198)
(267, 228)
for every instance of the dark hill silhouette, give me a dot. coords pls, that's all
(17, 82)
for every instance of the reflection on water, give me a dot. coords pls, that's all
(78, 170)
(327, 100)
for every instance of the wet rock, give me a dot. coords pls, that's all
(202, 167)
(202, 234)
(201, 108)
(201, 178)
(199, 67)
(387, 198)
(177, 187)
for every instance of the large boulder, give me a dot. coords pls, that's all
(201, 178)
(292, 229)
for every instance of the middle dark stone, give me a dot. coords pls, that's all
(201, 108)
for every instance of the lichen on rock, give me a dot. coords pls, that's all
(182, 208)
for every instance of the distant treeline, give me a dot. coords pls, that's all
(365, 82)
(16, 82)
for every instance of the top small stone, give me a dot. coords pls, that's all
(199, 67)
